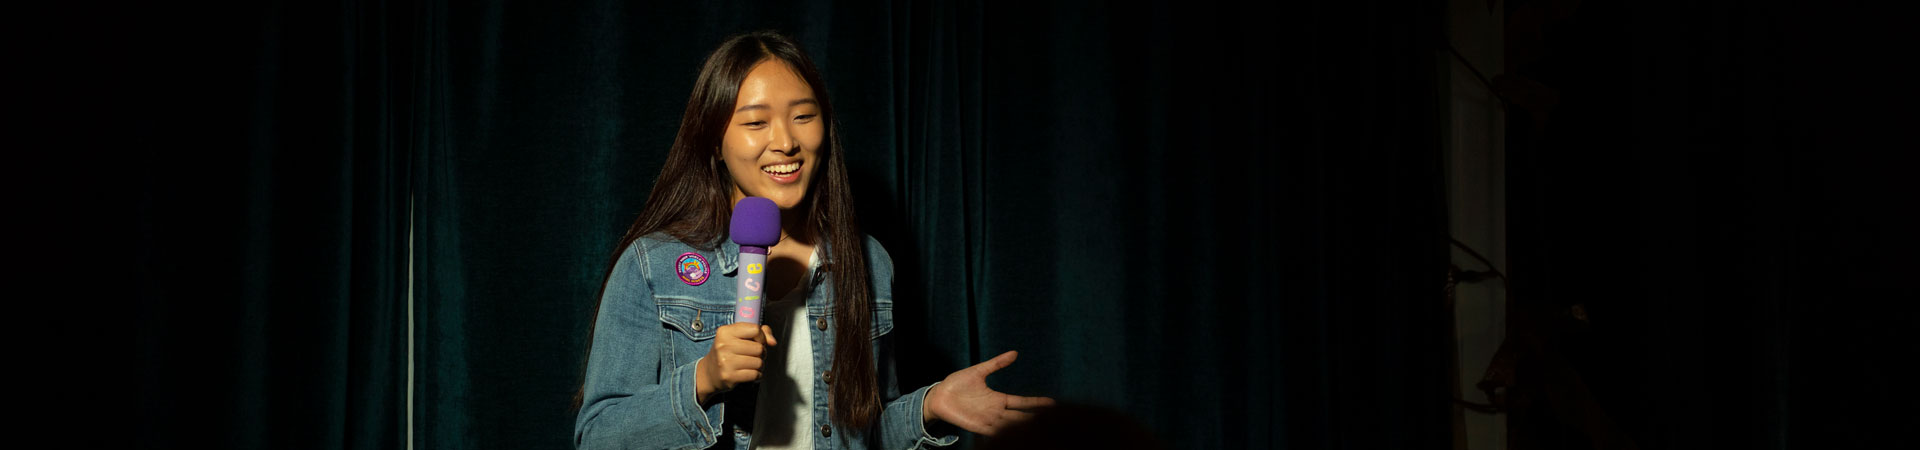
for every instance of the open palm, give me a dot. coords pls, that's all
(965, 401)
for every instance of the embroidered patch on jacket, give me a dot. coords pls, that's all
(692, 268)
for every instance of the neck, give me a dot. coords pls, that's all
(795, 228)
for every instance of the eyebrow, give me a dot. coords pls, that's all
(804, 101)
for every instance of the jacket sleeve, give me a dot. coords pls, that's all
(630, 400)
(900, 424)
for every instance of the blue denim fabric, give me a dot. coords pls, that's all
(653, 328)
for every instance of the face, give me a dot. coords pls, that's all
(774, 138)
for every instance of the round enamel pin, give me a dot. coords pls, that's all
(692, 268)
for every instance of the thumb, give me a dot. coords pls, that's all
(998, 362)
(767, 332)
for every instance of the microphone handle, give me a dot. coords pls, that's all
(751, 286)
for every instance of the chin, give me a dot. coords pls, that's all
(786, 201)
(787, 196)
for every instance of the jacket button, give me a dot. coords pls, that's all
(696, 324)
(826, 431)
(821, 324)
(827, 377)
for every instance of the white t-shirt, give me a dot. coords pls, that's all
(784, 419)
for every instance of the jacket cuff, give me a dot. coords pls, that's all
(703, 425)
(909, 413)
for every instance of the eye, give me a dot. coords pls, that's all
(755, 124)
(805, 117)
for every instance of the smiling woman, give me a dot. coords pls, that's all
(776, 130)
(667, 366)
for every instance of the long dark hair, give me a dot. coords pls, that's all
(692, 201)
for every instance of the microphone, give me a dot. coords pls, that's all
(755, 226)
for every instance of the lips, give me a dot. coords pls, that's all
(783, 173)
(781, 169)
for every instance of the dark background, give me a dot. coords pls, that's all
(1226, 220)
(1727, 189)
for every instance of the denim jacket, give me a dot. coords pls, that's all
(656, 323)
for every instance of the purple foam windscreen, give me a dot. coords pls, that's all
(756, 226)
(756, 223)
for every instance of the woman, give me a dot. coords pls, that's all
(668, 368)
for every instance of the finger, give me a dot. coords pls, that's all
(997, 363)
(1028, 403)
(742, 348)
(1012, 417)
(740, 330)
(768, 333)
(741, 363)
(743, 376)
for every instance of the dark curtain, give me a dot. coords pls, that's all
(1726, 188)
(1221, 219)
(269, 193)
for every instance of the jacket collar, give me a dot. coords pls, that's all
(727, 258)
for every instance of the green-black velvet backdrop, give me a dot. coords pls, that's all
(1222, 219)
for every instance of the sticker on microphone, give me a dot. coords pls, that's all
(692, 268)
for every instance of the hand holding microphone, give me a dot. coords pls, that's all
(734, 359)
(735, 356)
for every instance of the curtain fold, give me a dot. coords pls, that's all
(273, 228)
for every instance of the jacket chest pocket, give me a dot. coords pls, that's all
(693, 321)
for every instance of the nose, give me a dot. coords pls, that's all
(783, 140)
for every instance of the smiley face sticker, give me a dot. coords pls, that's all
(692, 268)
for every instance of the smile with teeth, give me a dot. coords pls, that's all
(781, 169)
